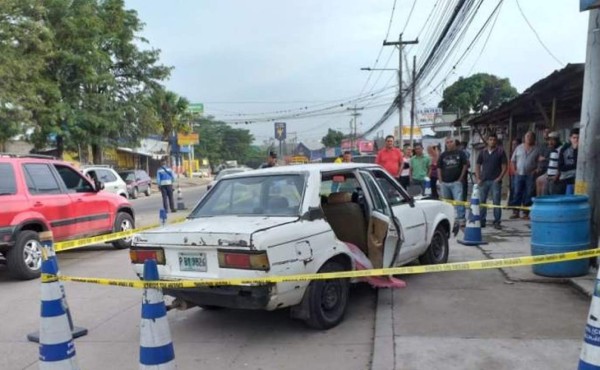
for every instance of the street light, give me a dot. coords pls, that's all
(378, 69)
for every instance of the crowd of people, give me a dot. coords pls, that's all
(533, 169)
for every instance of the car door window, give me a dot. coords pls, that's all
(390, 189)
(40, 179)
(106, 176)
(74, 182)
(8, 185)
(377, 200)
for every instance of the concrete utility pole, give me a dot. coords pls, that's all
(400, 45)
(354, 114)
(587, 180)
(412, 106)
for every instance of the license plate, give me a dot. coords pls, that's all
(192, 262)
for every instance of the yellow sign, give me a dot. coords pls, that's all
(188, 139)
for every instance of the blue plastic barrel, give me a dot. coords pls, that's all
(559, 224)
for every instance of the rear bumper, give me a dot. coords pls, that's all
(244, 297)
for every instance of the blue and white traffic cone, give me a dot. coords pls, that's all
(57, 349)
(162, 215)
(472, 235)
(590, 349)
(427, 187)
(50, 255)
(156, 347)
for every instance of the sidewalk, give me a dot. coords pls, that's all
(513, 240)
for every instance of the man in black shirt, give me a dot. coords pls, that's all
(452, 170)
(491, 168)
(271, 161)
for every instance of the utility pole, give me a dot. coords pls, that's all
(400, 44)
(588, 176)
(412, 106)
(354, 115)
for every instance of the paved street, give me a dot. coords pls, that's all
(459, 320)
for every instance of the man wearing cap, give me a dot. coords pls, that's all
(271, 161)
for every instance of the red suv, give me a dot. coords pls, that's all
(40, 194)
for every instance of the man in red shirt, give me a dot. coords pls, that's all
(390, 157)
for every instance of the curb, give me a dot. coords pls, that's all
(384, 352)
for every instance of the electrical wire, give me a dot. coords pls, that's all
(537, 35)
(409, 16)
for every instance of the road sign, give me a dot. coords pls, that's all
(197, 108)
(280, 131)
(188, 139)
(588, 4)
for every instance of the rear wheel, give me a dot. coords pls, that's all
(123, 222)
(134, 193)
(24, 259)
(438, 250)
(148, 191)
(328, 299)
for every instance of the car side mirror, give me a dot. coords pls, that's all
(314, 213)
(98, 185)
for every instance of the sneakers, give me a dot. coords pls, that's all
(525, 216)
(514, 216)
(482, 222)
(497, 226)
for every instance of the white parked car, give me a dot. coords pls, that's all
(295, 220)
(225, 172)
(113, 183)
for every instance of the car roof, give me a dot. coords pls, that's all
(314, 168)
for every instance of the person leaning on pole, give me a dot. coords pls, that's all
(164, 179)
(452, 169)
(390, 158)
(489, 171)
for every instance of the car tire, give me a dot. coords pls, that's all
(148, 191)
(135, 193)
(438, 250)
(328, 299)
(123, 222)
(24, 259)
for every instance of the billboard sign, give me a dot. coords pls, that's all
(188, 139)
(280, 131)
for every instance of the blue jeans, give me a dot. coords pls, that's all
(484, 189)
(454, 190)
(523, 190)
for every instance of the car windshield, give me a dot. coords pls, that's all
(268, 195)
(127, 176)
(229, 171)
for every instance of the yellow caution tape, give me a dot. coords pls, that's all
(486, 205)
(457, 266)
(78, 243)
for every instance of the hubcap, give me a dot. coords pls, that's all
(330, 296)
(32, 254)
(126, 225)
(437, 245)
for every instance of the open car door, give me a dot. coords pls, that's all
(384, 236)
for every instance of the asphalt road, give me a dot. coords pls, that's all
(457, 320)
(147, 208)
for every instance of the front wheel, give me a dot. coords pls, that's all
(438, 250)
(123, 222)
(24, 259)
(328, 299)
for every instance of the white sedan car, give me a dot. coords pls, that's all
(295, 220)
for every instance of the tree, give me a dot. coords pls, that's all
(476, 91)
(24, 45)
(104, 79)
(333, 138)
(219, 142)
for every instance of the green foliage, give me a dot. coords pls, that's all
(74, 68)
(332, 139)
(476, 91)
(219, 142)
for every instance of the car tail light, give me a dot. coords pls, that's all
(141, 255)
(243, 260)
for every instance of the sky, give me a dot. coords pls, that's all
(271, 58)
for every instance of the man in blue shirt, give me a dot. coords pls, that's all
(165, 179)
